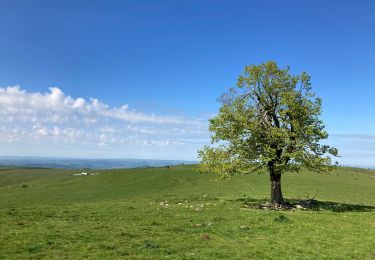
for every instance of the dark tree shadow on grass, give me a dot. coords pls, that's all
(310, 204)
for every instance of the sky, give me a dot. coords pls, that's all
(140, 79)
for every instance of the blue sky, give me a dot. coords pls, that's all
(167, 62)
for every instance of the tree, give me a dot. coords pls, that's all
(270, 121)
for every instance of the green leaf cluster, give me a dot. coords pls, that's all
(271, 119)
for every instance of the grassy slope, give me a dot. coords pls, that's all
(123, 214)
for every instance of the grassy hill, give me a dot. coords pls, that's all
(178, 213)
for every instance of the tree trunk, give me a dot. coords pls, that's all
(276, 194)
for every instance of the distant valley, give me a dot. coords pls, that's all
(70, 163)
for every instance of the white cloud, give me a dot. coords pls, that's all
(356, 136)
(354, 149)
(53, 121)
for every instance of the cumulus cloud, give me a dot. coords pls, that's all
(54, 119)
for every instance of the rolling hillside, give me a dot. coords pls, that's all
(179, 213)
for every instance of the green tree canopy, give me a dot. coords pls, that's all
(271, 120)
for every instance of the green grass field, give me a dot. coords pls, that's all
(178, 213)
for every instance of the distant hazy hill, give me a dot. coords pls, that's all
(69, 163)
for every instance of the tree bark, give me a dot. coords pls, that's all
(276, 194)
